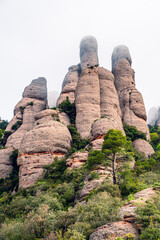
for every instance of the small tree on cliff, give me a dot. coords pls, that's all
(114, 142)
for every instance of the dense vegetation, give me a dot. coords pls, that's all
(46, 210)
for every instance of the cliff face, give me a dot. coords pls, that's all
(103, 100)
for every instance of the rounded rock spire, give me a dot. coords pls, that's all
(88, 52)
(121, 52)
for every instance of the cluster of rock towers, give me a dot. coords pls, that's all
(103, 100)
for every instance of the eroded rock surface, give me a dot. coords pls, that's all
(69, 84)
(87, 101)
(127, 214)
(5, 162)
(143, 147)
(77, 159)
(131, 101)
(39, 147)
(34, 100)
(88, 52)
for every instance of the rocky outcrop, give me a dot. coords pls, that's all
(101, 126)
(113, 230)
(69, 84)
(131, 101)
(39, 147)
(88, 52)
(37, 90)
(34, 100)
(143, 147)
(5, 162)
(50, 114)
(128, 216)
(77, 159)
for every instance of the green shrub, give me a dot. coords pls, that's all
(4, 138)
(95, 157)
(93, 175)
(77, 142)
(55, 170)
(11, 183)
(3, 124)
(150, 233)
(149, 213)
(69, 108)
(132, 133)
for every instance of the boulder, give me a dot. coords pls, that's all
(88, 52)
(131, 101)
(126, 225)
(113, 230)
(69, 84)
(87, 101)
(101, 126)
(39, 147)
(143, 147)
(51, 114)
(5, 162)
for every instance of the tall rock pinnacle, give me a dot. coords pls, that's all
(88, 52)
(87, 96)
(131, 101)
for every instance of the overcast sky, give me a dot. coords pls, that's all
(41, 38)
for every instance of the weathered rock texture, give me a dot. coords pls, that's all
(37, 89)
(34, 100)
(87, 101)
(88, 52)
(143, 147)
(131, 101)
(39, 146)
(69, 84)
(77, 159)
(126, 225)
(5, 163)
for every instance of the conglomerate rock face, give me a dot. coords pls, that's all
(143, 147)
(103, 100)
(5, 162)
(131, 101)
(34, 100)
(39, 147)
(87, 101)
(88, 52)
(69, 84)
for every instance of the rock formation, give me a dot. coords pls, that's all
(34, 100)
(103, 100)
(143, 147)
(88, 52)
(131, 101)
(47, 140)
(114, 230)
(69, 84)
(5, 163)
(87, 97)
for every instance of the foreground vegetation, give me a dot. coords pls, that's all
(50, 209)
